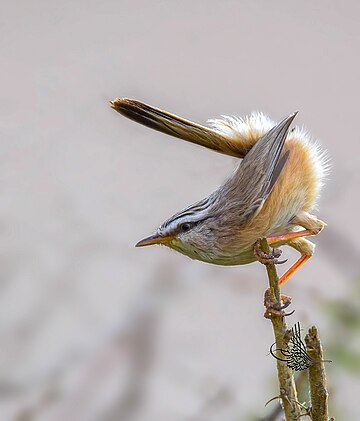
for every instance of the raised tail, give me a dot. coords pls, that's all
(181, 128)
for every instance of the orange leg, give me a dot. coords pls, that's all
(289, 236)
(294, 239)
(294, 268)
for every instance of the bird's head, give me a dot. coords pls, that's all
(188, 232)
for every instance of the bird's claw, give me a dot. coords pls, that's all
(275, 308)
(268, 258)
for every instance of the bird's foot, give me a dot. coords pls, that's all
(274, 308)
(268, 258)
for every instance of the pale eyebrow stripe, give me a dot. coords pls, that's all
(190, 211)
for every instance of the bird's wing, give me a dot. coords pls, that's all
(261, 168)
(176, 126)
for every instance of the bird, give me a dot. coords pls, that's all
(271, 194)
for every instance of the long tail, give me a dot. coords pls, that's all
(178, 127)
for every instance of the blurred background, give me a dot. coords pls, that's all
(92, 328)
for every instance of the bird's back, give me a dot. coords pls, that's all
(300, 182)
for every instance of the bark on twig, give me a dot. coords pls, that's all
(317, 377)
(285, 376)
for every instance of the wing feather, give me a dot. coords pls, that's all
(258, 172)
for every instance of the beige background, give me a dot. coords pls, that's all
(92, 328)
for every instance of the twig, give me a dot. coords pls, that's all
(317, 378)
(286, 381)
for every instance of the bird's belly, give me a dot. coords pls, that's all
(234, 259)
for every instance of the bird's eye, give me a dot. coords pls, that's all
(185, 227)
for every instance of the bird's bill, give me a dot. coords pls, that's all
(153, 239)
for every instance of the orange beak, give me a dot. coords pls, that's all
(153, 239)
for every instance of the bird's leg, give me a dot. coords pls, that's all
(289, 236)
(306, 248)
(267, 258)
(275, 308)
(289, 273)
(313, 226)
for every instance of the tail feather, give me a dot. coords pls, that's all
(173, 125)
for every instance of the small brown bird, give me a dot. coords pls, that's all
(269, 195)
